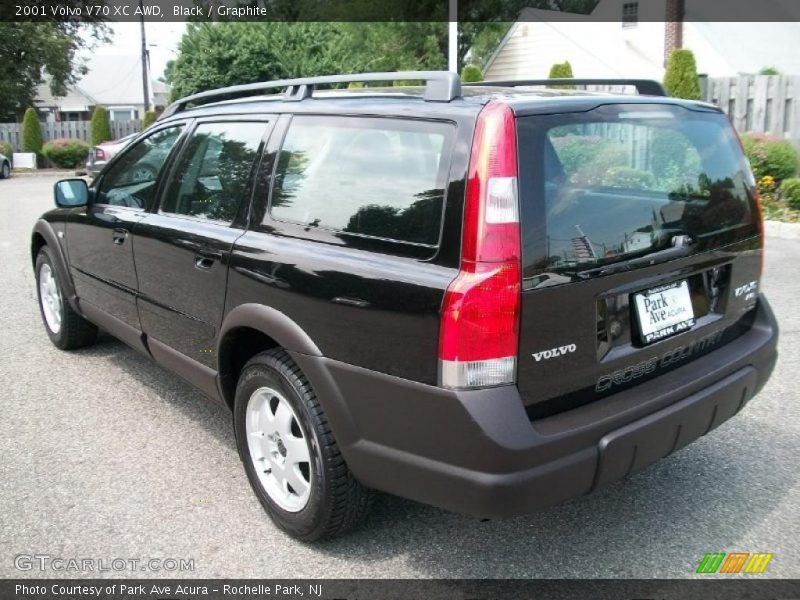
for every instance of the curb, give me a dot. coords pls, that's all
(786, 231)
(44, 173)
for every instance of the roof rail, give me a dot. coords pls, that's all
(440, 86)
(644, 87)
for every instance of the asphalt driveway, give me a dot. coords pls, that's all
(104, 455)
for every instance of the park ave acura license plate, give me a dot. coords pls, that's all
(664, 311)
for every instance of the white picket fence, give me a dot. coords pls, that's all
(81, 130)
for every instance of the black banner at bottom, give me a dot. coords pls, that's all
(399, 589)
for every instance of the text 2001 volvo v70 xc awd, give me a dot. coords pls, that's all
(489, 299)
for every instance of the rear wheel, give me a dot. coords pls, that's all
(289, 453)
(66, 328)
(5, 170)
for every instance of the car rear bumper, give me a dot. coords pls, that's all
(477, 452)
(94, 168)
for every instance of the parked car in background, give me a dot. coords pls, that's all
(99, 155)
(5, 167)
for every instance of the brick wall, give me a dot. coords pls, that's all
(673, 35)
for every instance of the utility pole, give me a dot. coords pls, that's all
(452, 38)
(145, 95)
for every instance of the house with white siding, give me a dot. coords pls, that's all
(111, 81)
(624, 38)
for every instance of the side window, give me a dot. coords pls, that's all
(211, 177)
(131, 181)
(370, 176)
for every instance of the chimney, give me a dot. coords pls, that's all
(673, 27)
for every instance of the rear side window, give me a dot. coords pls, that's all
(625, 181)
(212, 175)
(382, 178)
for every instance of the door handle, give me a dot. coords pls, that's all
(119, 236)
(356, 302)
(204, 259)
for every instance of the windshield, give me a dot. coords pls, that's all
(627, 181)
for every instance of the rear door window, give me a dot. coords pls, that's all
(381, 178)
(625, 181)
(213, 172)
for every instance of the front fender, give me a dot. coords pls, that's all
(44, 230)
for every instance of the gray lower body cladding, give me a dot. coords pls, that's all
(478, 452)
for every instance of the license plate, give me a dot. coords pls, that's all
(664, 311)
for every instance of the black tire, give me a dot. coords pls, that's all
(5, 170)
(337, 501)
(75, 331)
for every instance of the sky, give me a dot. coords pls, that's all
(162, 42)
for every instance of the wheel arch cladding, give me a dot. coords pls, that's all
(252, 328)
(44, 235)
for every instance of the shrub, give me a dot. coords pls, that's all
(355, 85)
(790, 192)
(770, 155)
(471, 73)
(681, 78)
(6, 150)
(562, 71)
(587, 159)
(149, 119)
(31, 132)
(769, 71)
(101, 126)
(629, 178)
(674, 162)
(66, 153)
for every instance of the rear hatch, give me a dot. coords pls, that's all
(642, 247)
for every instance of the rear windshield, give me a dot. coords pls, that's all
(626, 181)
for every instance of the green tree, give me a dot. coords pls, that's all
(681, 78)
(471, 73)
(213, 55)
(31, 132)
(168, 71)
(478, 41)
(149, 119)
(101, 126)
(34, 52)
(218, 54)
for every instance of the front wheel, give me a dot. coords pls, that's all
(66, 329)
(5, 170)
(289, 453)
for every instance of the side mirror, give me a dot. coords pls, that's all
(70, 193)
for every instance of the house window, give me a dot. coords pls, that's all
(124, 113)
(630, 14)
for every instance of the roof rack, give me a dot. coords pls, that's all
(440, 86)
(644, 87)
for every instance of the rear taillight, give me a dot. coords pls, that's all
(99, 154)
(759, 209)
(760, 217)
(479, 334)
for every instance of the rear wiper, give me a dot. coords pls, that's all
(681, 246)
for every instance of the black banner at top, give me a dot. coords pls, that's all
(399, 10)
